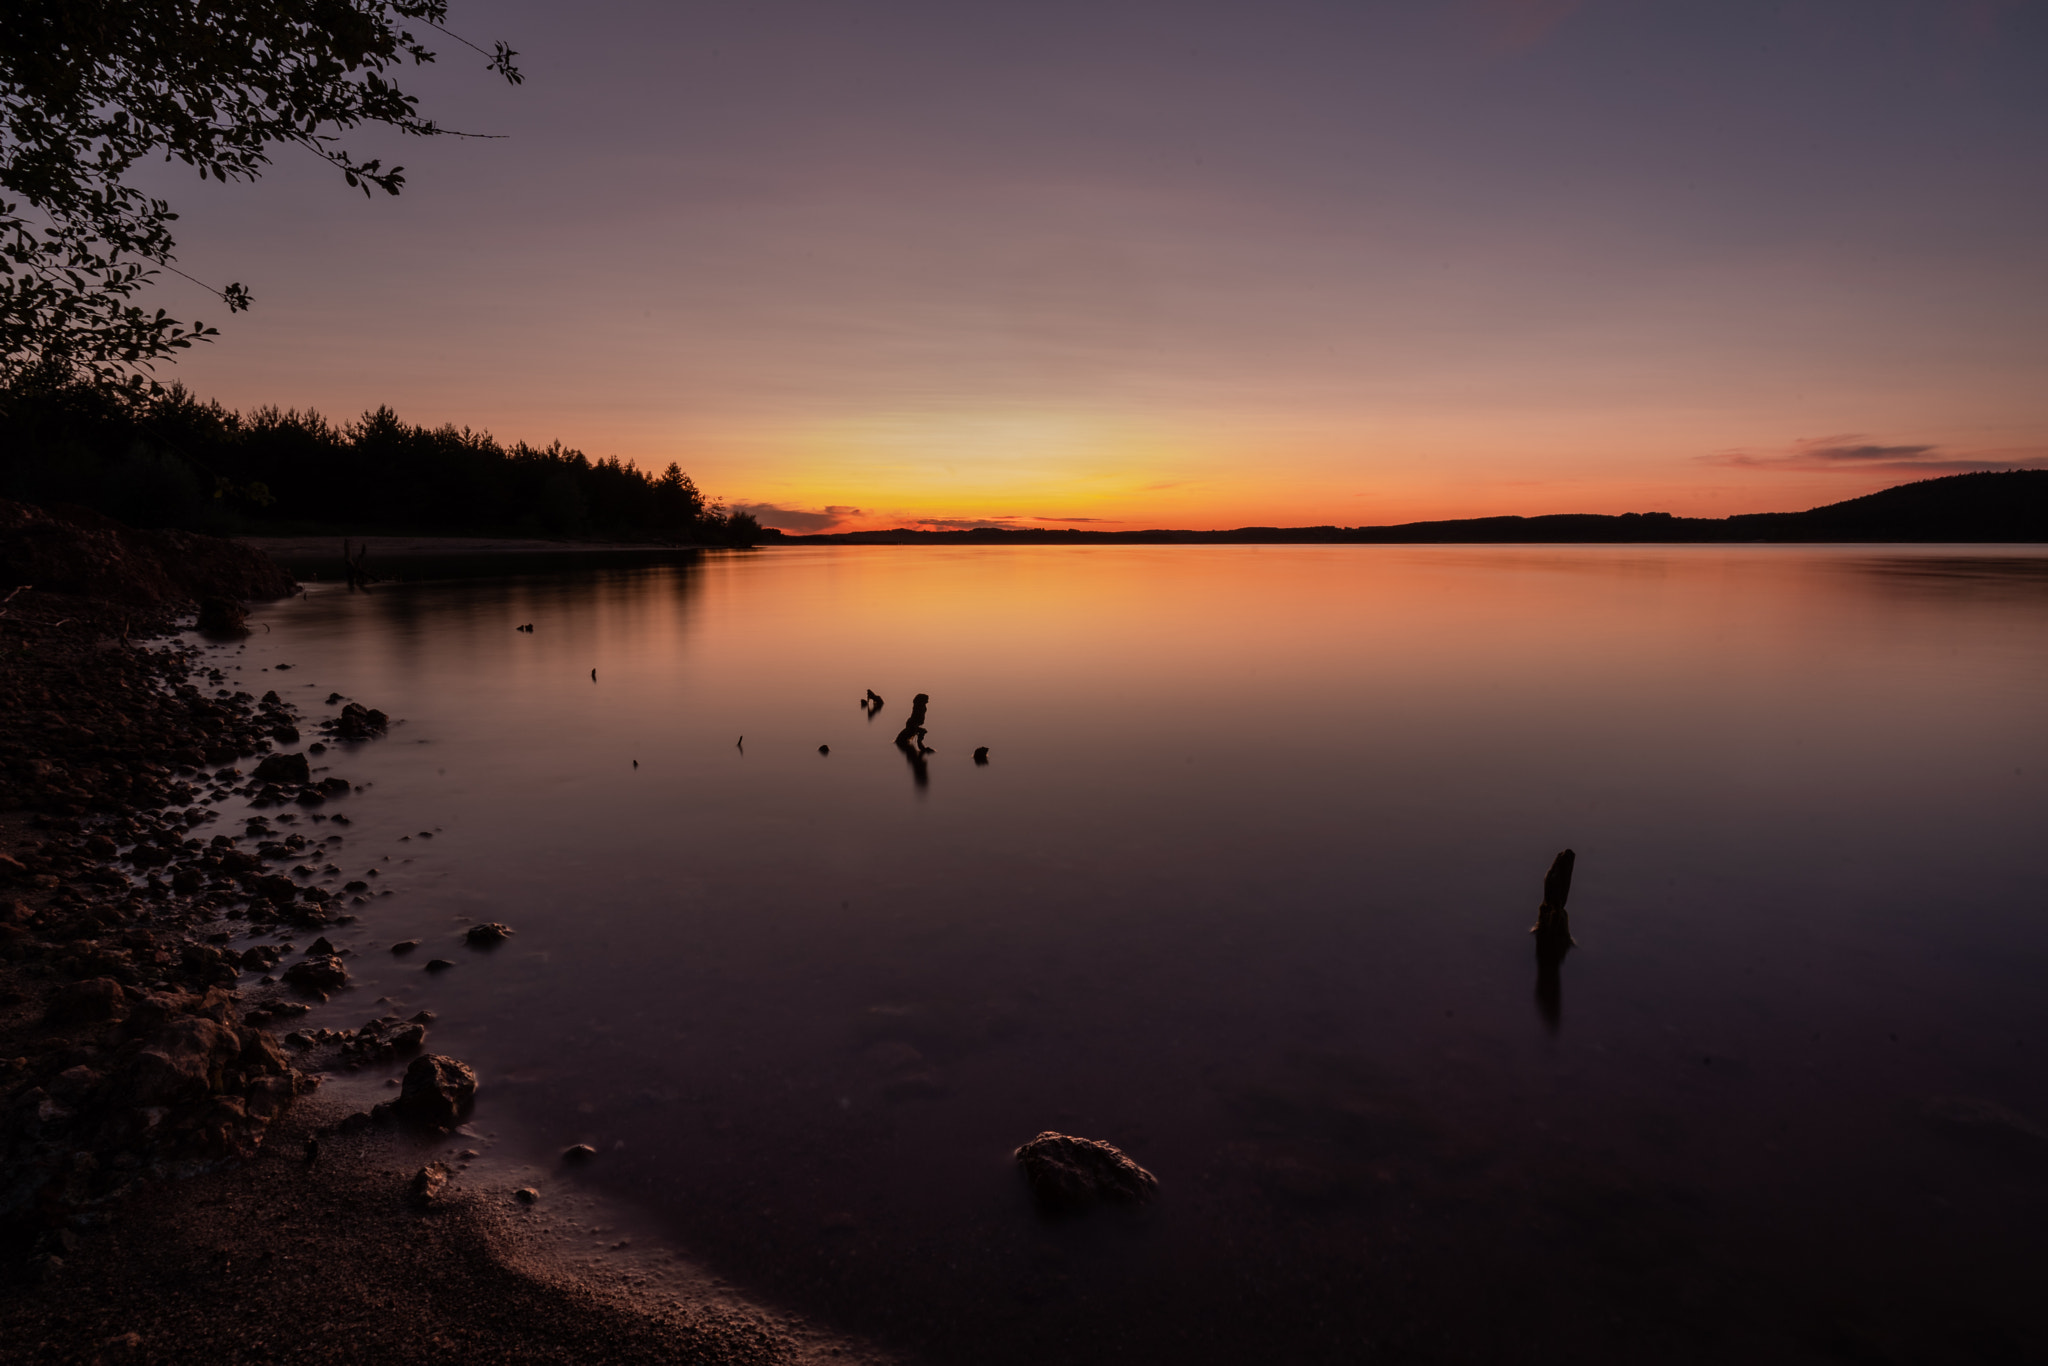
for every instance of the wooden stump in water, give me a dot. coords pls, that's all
(913, 729)
(1553, 927)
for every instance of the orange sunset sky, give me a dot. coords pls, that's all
(1188, 265)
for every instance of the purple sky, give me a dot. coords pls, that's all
(1189, 264)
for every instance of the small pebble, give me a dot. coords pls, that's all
(581, 1152)
(439, 965)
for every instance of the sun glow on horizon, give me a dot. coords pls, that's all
(1362, 265)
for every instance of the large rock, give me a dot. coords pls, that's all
(322, 974)
(182, 1062)
(437, 1092)
(357, 722)
(1073, 1173)
(274, 887)
(284, 768)
(260, 1053)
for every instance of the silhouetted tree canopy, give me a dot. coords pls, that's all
(196, 465)
(90, 87)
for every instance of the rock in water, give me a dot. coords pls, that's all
(284, 768)
(437, 1092)
(1073, 1173)
(357, 722)
(1553, 928)
(323, 974)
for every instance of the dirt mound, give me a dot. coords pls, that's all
(75, 551)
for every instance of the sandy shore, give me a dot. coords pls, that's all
(286, 1259)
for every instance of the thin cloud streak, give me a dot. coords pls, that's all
(965, 523)
(795, 519)
(1854, 453)
(946, 259)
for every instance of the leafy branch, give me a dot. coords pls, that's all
(88, 88)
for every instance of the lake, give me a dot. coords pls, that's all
(1244, 888)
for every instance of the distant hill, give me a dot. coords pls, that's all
(1992, 506)
(2008, 506)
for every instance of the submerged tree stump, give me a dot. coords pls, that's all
(913, 729)
(1553, 927)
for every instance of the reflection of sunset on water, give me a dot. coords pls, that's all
(1087, 683)
(1245, 887)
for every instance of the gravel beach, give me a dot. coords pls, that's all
(175, 1185)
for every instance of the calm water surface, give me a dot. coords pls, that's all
(1244, 889)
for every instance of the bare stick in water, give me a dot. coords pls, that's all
(1553, 927)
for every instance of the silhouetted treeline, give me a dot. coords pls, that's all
(1992, 506)
(179, 462)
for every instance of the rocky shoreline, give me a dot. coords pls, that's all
(124, 1053)
(142, 1075)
